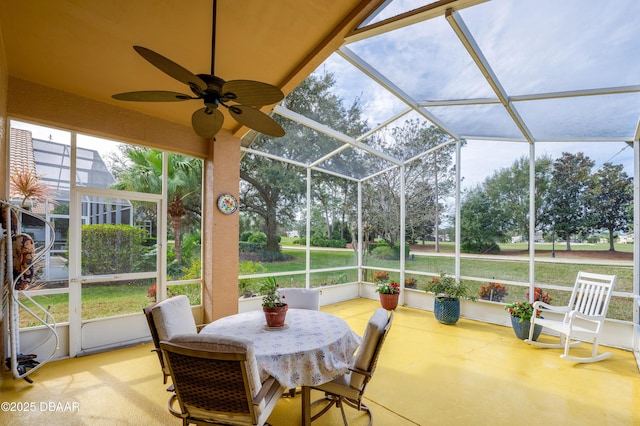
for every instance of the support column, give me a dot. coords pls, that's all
(220, 232)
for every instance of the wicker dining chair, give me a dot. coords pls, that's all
(166, 319)
(156, 341)
(349, 388)
(217, 381)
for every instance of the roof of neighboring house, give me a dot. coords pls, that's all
(21, 150)
(52, 160)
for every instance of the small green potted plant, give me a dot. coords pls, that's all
(448, 292)
(275, 310)
(521, 313)
(389, 293)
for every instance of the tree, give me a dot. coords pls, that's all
(143, 173)
(508, 191)
(609, 195)
(429, 179)
(272, 190)
(479, 229)
(565, 205)
(381, 206)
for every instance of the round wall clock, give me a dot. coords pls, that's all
(227, 203)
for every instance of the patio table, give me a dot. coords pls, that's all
(312, 348)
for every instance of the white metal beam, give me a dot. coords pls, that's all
(430, 11)
(322, 128)
(296, 163)
(383, 81)
(463, 33)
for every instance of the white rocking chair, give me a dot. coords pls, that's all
(583, 317)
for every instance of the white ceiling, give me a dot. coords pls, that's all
(85, 46)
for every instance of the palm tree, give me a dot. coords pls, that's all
(184, 181)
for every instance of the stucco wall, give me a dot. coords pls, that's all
(4, 82)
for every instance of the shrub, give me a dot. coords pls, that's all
(324, 242)
(192, 291)
(410, 282)
(384, 252)
(381, 277)
(493, 291)
(112, 249)
(396, 250)
(258, 237)
(539, 294)
(247, 285)
(479, 247)
(247, 247)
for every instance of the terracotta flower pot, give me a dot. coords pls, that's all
(389, 301)
(275, 316)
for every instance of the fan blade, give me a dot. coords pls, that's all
(252, 93)
(152, 96)
(206, 124)
(172, 69)
(256, 120)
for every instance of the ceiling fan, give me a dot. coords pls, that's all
(241, 97)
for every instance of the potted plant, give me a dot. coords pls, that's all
(521, 313)
(389, 293)
(446, 305)
(410, 283)
(275, 310)
(492, 291)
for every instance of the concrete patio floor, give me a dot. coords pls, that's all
(470, 373)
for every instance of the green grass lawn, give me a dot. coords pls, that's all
(449, 247)
(100, 301)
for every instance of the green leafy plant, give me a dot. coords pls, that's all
(391, 287)
(448, 288)
(271, 298)
(522, 310)
(246, 286)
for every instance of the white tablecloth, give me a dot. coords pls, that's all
(313, 348)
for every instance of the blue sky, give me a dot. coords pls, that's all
(534, 48)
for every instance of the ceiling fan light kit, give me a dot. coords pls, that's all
(242, 98)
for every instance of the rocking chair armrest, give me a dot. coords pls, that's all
(579, 315)
(362, 372)
(545, 306)
(264, 390)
